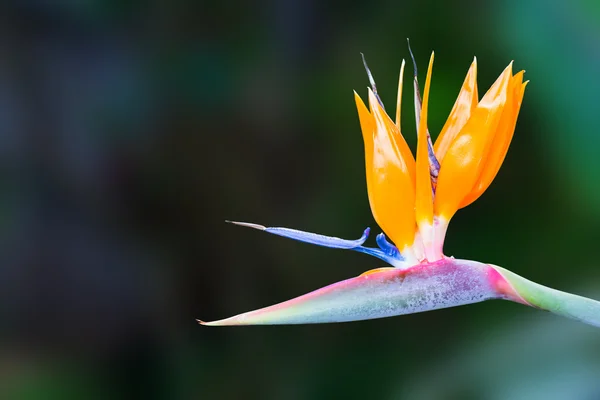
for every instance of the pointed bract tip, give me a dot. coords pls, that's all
(205, 323)
(415, 72)
(222, 322)
(247, 225)
(211, 323)
(369, 74)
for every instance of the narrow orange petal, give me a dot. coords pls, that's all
(390, 173)
(461, 111)
(464, 160)
(501, 141)
(424, 188)
(399, 100)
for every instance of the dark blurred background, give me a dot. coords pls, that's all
(130, 130)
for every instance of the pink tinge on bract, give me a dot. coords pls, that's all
(503, 287)
(386, 293)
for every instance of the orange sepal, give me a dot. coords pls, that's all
(424, 193)
(461, 111)
(390, 173)
(465, 158)
(502, 139)
(367, 127)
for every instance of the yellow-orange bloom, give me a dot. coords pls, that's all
(390, 174)
(414, 201)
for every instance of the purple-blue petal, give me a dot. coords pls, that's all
(318, 239)
(308, 237)
(388, 253)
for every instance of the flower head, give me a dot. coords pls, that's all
(413, 200)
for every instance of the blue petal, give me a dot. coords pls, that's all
(387, 247)
(397, 261)
(372, 81)
(389, 254)
(307, 237)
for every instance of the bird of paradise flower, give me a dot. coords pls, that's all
(413, 202)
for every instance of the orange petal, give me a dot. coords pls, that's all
(367, 126)
(501, 141)
(390, 173)
(461, 111)
(465, 158)
(399, 100)
(424, 188)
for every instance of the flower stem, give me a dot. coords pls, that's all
(561, 303)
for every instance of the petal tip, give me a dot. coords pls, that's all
(373, 102)
(248, 225)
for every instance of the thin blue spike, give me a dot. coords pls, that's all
(393, 258)
(434, 165)
(318, 239)
(308, 237)
(413, 59)
(372, 81)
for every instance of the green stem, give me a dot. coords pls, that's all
(561, 303)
